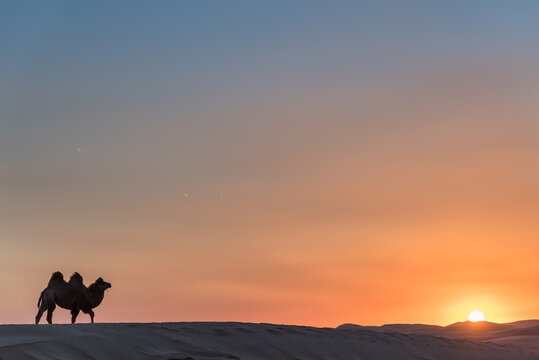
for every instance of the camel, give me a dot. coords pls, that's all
(72, 295)
(94, 295)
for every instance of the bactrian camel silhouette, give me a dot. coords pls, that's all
(72, 295)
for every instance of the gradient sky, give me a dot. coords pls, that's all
(298, 162)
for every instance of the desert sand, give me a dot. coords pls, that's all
(246, 341)
(523, 333)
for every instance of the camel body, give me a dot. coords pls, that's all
(72, 295)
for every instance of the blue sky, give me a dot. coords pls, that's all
(219, 140)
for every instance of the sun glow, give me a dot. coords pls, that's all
(476, 316)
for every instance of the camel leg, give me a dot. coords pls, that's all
(74, 314)
(91, 315)
(50, 308)
(41, 310)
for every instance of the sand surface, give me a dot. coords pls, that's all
(523, 333)
(246, 341)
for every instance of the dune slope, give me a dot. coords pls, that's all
(246, 341)
(523, 333)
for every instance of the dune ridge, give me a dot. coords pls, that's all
(524, 333)
(232, 340)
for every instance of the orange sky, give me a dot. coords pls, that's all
(292, 176)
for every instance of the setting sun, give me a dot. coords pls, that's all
(476, 316)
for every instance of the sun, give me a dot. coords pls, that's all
(476, 315)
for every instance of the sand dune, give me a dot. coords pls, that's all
(523, 333)
(246, 341)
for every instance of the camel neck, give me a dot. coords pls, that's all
(95, 297)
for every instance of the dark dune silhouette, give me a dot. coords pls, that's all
(232, 340)
(524, 333)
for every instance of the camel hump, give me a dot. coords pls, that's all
(56, 277)
(76, 277)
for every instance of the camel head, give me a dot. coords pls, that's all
(101, 285)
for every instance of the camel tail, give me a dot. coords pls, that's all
(40, 299)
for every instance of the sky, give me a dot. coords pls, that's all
(294, 162)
